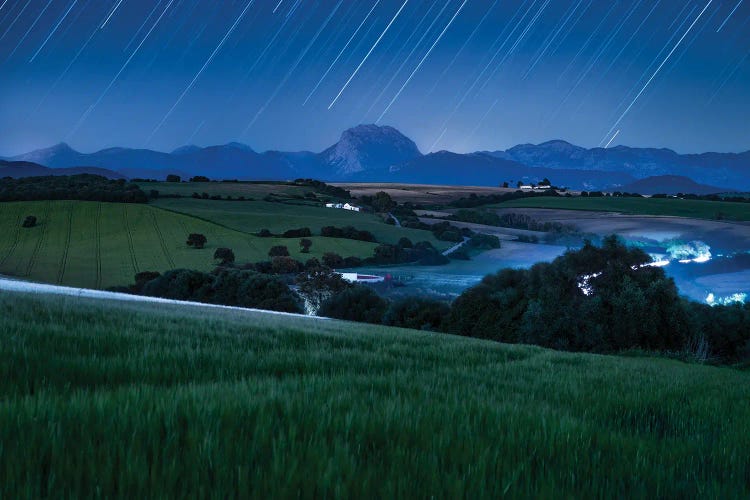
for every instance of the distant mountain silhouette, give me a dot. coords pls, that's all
(723, 169)
(482, 169)
(368, 147)
(18, 169)
(383, 154)
(670, 184)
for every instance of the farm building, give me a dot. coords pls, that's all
(361, 278)
(344, 206)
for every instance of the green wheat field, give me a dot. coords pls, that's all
(111, 399)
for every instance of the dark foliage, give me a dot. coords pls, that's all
(303, 232)
(264, 233)
(305, 245)
(200, 178)
(477, 201)
(278, 251)
(173, 178)
(196, 240)
(422, 253)
(29, 221)
(483, 241)
(318, 283)
(380, 202)
(599, 299)
(416, 313)
(324, 188)
(228, 287)
(285, 265)
(332, 260)
(85, 187)
(356, 303)
(516, 221)
(225, 256)
(347, 232)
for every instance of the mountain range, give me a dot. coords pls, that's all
(383, 154)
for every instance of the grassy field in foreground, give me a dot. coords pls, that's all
(169, 401)
(252, 216)
(697, 209)
(98, 245)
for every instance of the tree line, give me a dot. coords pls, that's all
(601, 299)
(85, 187)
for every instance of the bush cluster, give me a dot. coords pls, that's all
(85, 187)
(347, 232)
(232, 287)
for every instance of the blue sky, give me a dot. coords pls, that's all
(292, 74)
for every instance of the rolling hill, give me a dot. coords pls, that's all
(669, 184)
(99, 245)
(18, 169)
(168, 400)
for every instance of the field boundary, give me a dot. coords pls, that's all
(16, 238)
(64, 259)
(98, 243)
(129, 235)
(40, 241)
(162, 242)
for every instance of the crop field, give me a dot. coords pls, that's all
(175, 401)
(256, 191)
(698, 209)
(252, 216)
(98, 245)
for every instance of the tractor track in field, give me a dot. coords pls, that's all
(162, 242)
(16, 238)
(42, 238)
(129, 234)
(64, 260)
(98, 243)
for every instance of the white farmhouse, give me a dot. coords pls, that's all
(361, 278)
(353, 208)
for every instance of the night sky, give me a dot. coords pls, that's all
(292, 74)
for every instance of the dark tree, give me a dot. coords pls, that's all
(302, 232)
(29, 221)
(225, 256)
(332, 260)
(405, 242)
(317, 284)
(305, 245)
(285, 265)
(141, 279)
(358, 303)
(173, 178)
(196, 240)
(264, 233)
(200, 178)
(382, 202)
(278, 251)
(416, 313)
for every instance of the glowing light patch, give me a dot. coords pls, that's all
(735, 298)
(583, 283)
(694, 251)
(657, 263)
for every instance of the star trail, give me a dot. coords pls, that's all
(462, 75)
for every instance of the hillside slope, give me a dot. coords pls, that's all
(167, 401)
(99, 245)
